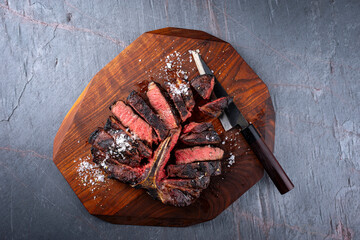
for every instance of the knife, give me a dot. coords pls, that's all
(233, 117)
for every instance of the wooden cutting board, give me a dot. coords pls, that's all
(158, 55)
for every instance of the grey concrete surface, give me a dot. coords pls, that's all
(307, 52)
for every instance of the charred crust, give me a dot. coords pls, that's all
(93, 136)
(111, 106)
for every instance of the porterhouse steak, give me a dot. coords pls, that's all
(145, 133)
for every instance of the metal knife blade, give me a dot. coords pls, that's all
(232, 115)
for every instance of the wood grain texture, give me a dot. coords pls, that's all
(143, 60)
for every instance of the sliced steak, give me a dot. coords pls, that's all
(176, 197)
(141, 107)
(123, 150)
(122, 142)
(117, 145)
(195, 127)
(102, 158)
(175, 95)
(120, 148)
(215, 108)
(194, 170)
(159, 102)
(131, 120)
(125, 174)
(205, 153)
(204, 85)
(206, 137)
(201, 182)
(186, 93)
(101, 139)
(113, 123)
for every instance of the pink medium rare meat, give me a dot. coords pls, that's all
(161, 105)
(141, 107)
(195, 127)
(196, 154)
(186, 93)
(216, 107)
(114, 124)
(204, 85)
(175, 94)
(131, 120)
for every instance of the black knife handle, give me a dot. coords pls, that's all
(267, 159)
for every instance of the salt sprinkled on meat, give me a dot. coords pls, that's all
(103, 164)
(174, 89)
(184, 89)
(180, 89)
(122, 142)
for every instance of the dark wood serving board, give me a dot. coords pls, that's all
(145, 59)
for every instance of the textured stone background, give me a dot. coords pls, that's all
(307, 52)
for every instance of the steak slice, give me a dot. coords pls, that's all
(141, 107)
(215, 108)
(123, 150)
(159, 102)
(195, 127)
(131, 120)
(194, 170)
(204, 85)
(201, 182)
(186, 93)
(176, 197)
(117, 145)
(175, 95)
(124, 173)
(113, 123)
(206, 137)
(205, 153)
(102, 158)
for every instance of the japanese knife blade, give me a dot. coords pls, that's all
(233, 117)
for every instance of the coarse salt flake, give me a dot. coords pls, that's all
(231, 160)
